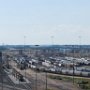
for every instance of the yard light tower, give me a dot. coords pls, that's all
(24, 53)
(36, 65)
(52, 40)
(73, 63)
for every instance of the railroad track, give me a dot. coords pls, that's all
(11, 87)
(27, 86)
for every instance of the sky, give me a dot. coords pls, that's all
(44, 22)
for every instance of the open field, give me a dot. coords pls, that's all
(83, 83)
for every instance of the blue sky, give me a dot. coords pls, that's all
(39, 20)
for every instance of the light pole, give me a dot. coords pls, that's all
(80, 45)
(36, 65)
(73, 63)
(24, 53)
(52, 40)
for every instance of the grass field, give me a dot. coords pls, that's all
(83, 83)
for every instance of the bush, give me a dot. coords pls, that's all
(83, 84)
(55, 77)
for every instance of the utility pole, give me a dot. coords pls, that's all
(46, 80)
(1, 69)
(36, 77)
